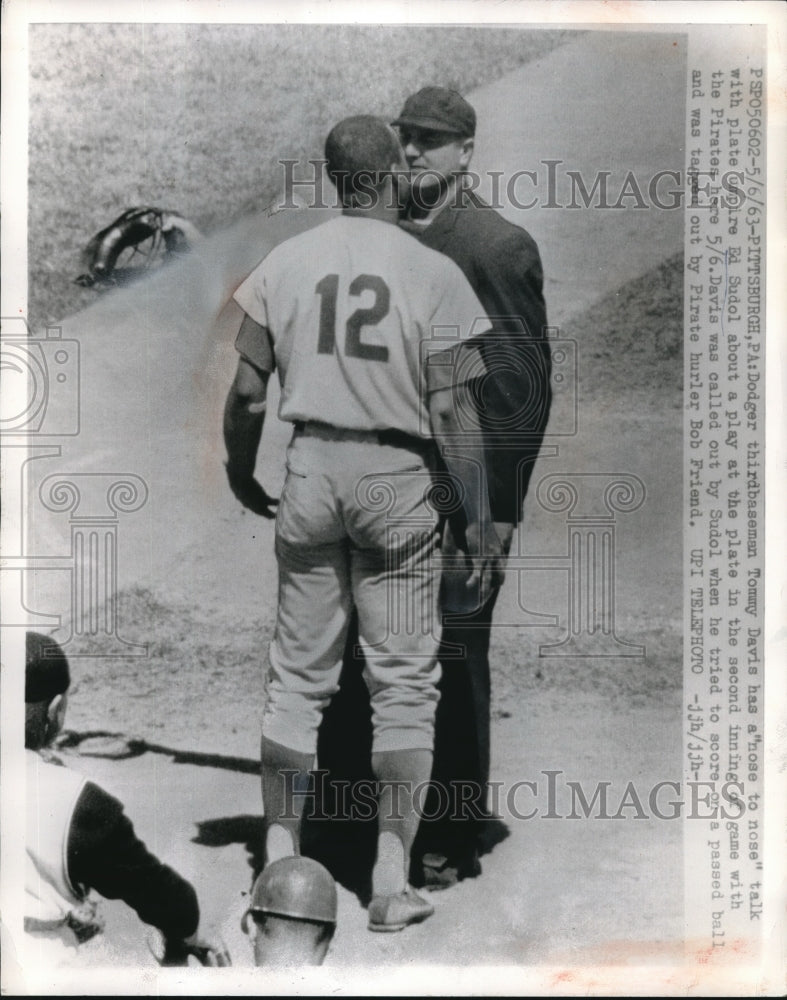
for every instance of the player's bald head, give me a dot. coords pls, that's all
(359, 152)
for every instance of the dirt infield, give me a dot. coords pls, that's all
(196, 580)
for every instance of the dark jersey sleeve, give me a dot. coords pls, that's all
(502, 263)
(513, 282)
(105, 854)
(254, 343)
(517, 355)
(517, 276)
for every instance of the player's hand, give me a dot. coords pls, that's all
(206, 947)
(249, 492)
(486, 554)
(505, 532)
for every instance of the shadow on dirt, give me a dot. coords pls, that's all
(118, 746)
(345, 849)
(343, 841)
(247, 829)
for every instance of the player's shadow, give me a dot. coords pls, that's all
(346, 846)
(347, 851)
(245, 829)
(119, 746)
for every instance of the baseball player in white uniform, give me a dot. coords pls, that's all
(79, 841)
(341, 312)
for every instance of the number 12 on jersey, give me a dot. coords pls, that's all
(328, 289)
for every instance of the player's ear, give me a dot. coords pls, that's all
(56, 714)
(398, 185)
(248, 925)
(466, 153)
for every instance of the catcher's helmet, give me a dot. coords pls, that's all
(295, 887)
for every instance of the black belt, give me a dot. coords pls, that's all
(390, 436)
(400, 439)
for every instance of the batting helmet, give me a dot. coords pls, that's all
(295, 887)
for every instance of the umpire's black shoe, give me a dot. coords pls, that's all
(441, 872)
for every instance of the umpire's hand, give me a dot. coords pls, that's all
(487, 557)
(250, 493)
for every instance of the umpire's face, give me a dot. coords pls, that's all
(400, 174)
(433, 156)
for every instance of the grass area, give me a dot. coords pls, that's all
(195, 117)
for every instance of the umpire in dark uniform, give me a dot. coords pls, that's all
(502, 263)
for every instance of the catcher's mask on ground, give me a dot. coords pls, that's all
(136, 241)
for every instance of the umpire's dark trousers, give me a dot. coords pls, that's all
(460, 775)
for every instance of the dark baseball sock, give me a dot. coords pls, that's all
(399, 774)
(285, 782)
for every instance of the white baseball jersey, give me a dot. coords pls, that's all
(52, 794)
(346, 307)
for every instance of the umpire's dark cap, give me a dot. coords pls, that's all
(440, 110)
(46, 668)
